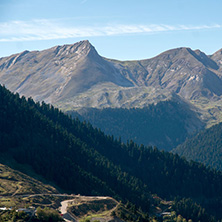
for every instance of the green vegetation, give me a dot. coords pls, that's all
(32, 200)
(189, 209)
(210, 110)
(129, 212)
(206, 147)
(92, 207)
(14, 216)
(165, 124)
(13, 182)
(48, 215)
(81, 159)
(174, 217)
(14, 187)
(41, 215)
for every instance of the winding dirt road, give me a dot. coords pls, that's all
(66, 215)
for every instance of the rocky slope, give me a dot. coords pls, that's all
(76, 76)
(183, 71)
(58, 73)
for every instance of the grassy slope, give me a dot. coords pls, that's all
(13, 182)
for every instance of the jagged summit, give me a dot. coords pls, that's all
(79, 48)
(218, 52)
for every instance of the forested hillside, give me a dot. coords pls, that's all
(206, 147)
(81, 159)
(164, 125)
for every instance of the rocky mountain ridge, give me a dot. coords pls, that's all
(57, 73)
(75, 76)
(183, 71)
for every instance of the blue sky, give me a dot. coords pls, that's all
(119, 29)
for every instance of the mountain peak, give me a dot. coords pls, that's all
(84, 45)
(217, 57)
(80, 48)
(171, 53)
(219, 52)
(86, 42)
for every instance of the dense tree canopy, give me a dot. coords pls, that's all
(205, 147)
(165, 124)
(81, 159)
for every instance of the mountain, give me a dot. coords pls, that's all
(58, 73)
(82, 160)
(205, 147)
(75, 76)
(182, 70)
(192, 75)
(217, 57)
(165, 124)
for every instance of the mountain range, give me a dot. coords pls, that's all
(75, 76)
